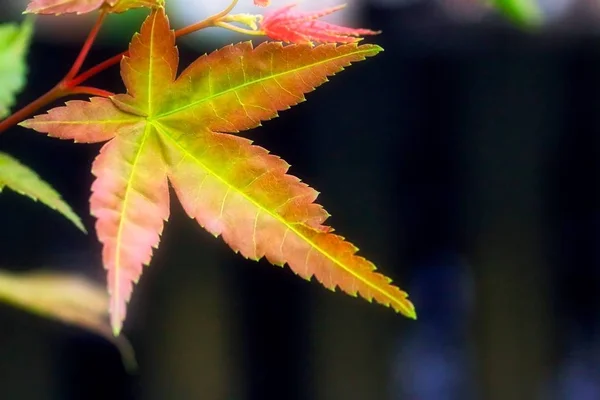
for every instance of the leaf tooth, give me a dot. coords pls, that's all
(333, 261)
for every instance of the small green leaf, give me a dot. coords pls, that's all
(14, 43)
(23, 180)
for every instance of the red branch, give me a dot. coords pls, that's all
(70, 84)
(85, 49)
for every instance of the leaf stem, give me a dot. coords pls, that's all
(238, 29)
(213, 20)
(65, 86)
(70, 84)
(91, 91)
(208, 22)
(96, 69)
(55, 93)
(85, 49)
(225, 11)
(104, 65)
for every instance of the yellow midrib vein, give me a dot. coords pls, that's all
(116, 292)
(151, 65)
(273, 76)
(83, 122)
(164, 131)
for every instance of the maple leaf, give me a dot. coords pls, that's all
(14, 43)
(58, 7)
(294, 26)
(23, 180)
(180, 129)
(262, 3)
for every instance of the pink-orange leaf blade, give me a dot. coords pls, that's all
(239, 191)
(95, 121)
(150, 68)
(236, 87)
(130, 199)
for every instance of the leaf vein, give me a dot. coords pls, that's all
(164, 130)
(272, 76)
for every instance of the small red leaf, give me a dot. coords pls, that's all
(305, 27)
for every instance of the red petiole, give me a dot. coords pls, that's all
(85, 49)
(70, 84)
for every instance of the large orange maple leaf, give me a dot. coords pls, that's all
(179, 130)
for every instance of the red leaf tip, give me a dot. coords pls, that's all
(299, 27)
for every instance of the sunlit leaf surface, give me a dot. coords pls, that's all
(179, 129)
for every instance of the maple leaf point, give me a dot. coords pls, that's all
(299, 27)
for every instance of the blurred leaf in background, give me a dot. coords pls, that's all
(67, 298)
(14, 43)
(25, 181)
(526, 13)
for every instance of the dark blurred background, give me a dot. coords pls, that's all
(464, 161)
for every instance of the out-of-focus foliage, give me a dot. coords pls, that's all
(25, 181)
(64, 297)
(523, 12)
(14, 43)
